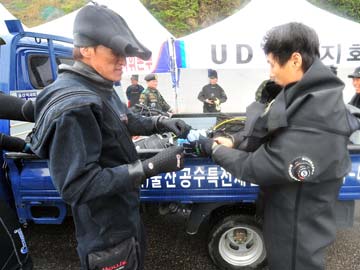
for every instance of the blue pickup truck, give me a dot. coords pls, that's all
(203, 190)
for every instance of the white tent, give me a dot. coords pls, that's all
(240, 35)
(145, 27)
(233, 47)
(5, 15)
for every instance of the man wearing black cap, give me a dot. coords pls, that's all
(355, 100)
(134, 90)
(151, 96)
(84, 131)
(212, 95)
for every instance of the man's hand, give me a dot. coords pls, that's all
(177, 126)
(209, 101)
(226, 141)
(168, 160)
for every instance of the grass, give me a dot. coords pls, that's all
(35, 12)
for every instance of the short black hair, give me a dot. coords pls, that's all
(283, 40)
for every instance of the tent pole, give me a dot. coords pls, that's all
(174, 72)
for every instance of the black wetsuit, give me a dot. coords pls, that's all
(300, 168)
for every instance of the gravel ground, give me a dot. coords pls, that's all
(169, 247)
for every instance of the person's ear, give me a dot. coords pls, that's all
(86, 52)
(296, 60)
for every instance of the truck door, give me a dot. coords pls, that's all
(33, 74)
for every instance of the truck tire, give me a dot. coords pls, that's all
(236, 242)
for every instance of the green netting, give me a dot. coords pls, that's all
(50, 13)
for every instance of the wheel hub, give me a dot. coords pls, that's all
(241, 246)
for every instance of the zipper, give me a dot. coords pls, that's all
(12, 242)
(296, 214)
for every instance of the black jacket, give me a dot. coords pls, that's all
(299, 168)
(85, 131)
(355, 100)
(212, 91)
(133, 94)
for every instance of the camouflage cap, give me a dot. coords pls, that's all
(150, 77)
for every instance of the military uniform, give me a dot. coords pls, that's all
(299, 168)
(153, 99)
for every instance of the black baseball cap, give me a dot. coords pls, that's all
(355, 74)
(212, 74)
(99, 25)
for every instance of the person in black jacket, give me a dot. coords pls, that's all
(133, 91)
(212, 94)
(299, 153)
(355, 76)
(84, 130)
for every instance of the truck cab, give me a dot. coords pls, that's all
(29, 62)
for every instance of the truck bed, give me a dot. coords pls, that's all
(201, 181)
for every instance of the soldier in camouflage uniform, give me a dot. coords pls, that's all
(152, 98)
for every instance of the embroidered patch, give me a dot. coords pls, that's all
(301, 168)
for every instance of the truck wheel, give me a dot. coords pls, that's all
(236, 242)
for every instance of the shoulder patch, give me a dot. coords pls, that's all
(301, 168)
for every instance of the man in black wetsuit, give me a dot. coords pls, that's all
(301, 154)
(212, 94)
(84, 130)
